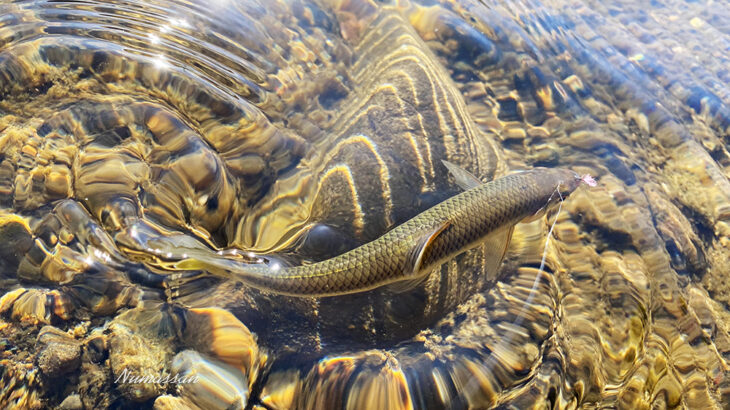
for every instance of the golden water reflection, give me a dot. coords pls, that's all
(135, 135)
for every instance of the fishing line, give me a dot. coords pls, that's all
(533, 290)
(544, 251)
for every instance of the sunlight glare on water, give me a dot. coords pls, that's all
(154, 153)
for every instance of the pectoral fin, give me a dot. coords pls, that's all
(494, 248)
(416, 257)
(463, 177)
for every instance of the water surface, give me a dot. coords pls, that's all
(134, 135)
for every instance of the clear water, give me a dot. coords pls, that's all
(136, 135)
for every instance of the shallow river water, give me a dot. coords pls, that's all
(149, 149)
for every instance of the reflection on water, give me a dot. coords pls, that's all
(134, 135)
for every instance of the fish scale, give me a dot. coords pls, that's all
(469, 217)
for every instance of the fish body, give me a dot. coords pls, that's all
(411, 250)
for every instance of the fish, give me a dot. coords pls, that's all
(404, 256)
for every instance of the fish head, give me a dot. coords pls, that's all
(555, 185)
(565, 182)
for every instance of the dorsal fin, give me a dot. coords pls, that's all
(462, 177)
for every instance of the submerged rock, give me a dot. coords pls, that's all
(36, 305)
(209, 383)
(133, 357)
(72, 402)
(281, 389)
(21, 383)
(59, 353)
(95, 385)
(219, 334)
(167, 402)
(293, 130)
